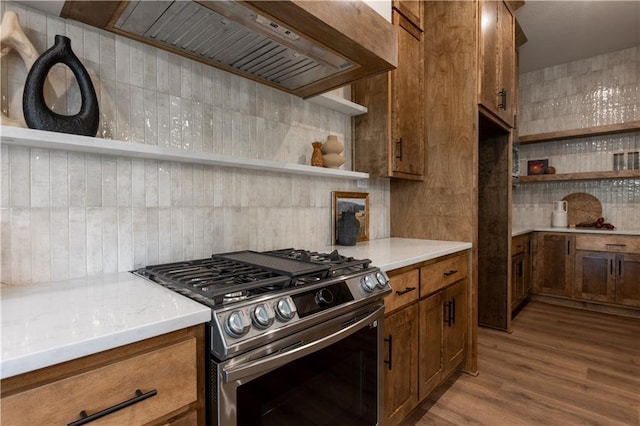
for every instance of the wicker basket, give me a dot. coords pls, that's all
(582, 208)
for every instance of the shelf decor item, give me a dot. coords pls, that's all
(13, 37)
(350, 217)
(331, 150)
(37, 114)
(316, 156)
(537, 167)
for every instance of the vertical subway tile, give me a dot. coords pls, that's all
(176, 234)
(196, 81)
(187, 123)
(4, 175)
(197, 127)
(40, 244)
(107, 56)
(164, 183)
(137, 117)
(138, 198)
(19, 176)
(185, 78)
(162, 71)
(124, 238)
(122, 59)
(123, 111)
(108, 109)
(5, 245)
(150, 68)
(94, 235)
(164, 120)
(198, 233)
(109, 181)
(124, 181)
(136, 64)
(187, 233)
(59, 178)
(94, 180)
(110, 226)
(40, 178)
(175, 176)
(175, 117)
(164, 235)
(21, 260)
(77, 242)
(152, 248)
(151, 183)
(150, 117)
(60, 244)
(139, 236)
(175, 78)
(77, 180)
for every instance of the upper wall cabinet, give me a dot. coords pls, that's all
(301, 47)
(389, 139)
(496, 85)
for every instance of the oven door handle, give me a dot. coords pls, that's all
(270, 363)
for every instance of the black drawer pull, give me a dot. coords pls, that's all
(389, 361)
(450, 272)
(405, 291)
(84, 418)
(399, 150)
(503, 99)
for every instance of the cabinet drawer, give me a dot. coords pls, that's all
(171, 371)
(405, 288)
(519, 244)
(615, 244)
(443, 273)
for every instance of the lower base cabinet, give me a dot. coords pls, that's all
(599, 269)
(425, 332)
(164, 373)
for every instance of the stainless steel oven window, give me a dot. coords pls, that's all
(328, 375)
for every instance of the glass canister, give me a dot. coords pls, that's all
(618, 161)
(633, 160)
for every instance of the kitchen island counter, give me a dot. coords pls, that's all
(394, 253)
(49, 323)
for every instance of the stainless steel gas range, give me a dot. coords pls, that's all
(295, 336)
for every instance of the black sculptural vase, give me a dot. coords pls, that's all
(348, 228)
(37, 114)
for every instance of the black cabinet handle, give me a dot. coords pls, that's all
(620, 267)
(449, 313)
(405, 291)
(610, 266)
(84, 418)
(399, 149)
(390, 352)
(568, 247)
(450, 272)
(503, 99)
(453, 311)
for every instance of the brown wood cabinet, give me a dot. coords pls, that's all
(412, 10)
(443, 319)
(497, 87)
(520, 270)
(425, 340)
(165, 373)
(554, 263)
(389, 139)
(401, 364)
(607, 269)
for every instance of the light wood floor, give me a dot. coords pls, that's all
(561, 366)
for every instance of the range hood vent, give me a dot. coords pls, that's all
(302, 47)
(235, 37)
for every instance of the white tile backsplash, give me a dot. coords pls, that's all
(595, 91)
(84, 214)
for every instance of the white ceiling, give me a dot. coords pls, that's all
(563, 31)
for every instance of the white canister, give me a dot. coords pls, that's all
(559, 214)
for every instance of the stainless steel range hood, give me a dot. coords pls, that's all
(302, 47)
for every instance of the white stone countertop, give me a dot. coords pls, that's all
(46, 324)
(394, 253)
(519, 230)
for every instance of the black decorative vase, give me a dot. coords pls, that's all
(37, 114)
(348, 228)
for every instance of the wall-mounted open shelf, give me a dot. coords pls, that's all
(609, 129)
(63, 141)
(621, 174)
(337, 103)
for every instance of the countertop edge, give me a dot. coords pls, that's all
(525, 230)
(424, 257)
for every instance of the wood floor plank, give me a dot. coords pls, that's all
(560, 366)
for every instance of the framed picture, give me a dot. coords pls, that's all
(347, 202)
(537, 167)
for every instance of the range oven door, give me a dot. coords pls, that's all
(326, 375)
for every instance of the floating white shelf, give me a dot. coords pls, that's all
(67, 142)
(335, 102)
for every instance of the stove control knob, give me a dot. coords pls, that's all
(382, 279)
(285, 309)
(368, 283)
(324, 297)
(237, 324)
(262, 316)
